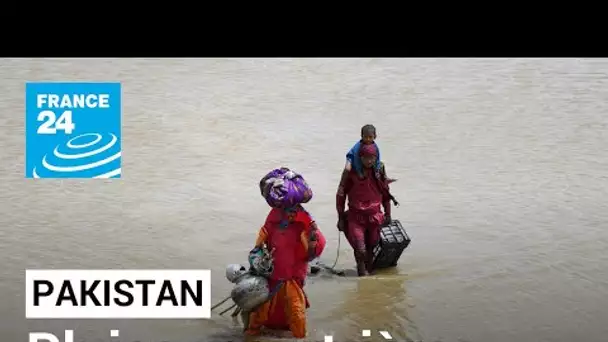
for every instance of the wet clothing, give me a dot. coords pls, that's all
(362, 231)
(296, 240)
(366, 197)
(360, 150)
(286, 310)
(352, 157)
(366, 194)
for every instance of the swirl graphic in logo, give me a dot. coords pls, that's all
(89, 155)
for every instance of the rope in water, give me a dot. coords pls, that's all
(333, 268)
(337, 253)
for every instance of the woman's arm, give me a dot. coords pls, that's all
(313, 241)
(262, 237)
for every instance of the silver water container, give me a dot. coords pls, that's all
(250, 291)
(234, 272)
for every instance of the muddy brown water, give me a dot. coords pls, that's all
(502, 182)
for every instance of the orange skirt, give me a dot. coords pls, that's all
(286, 310)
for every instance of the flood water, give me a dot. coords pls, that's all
(502, 178)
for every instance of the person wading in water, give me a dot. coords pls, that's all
(295, 239)
(367, 192)
(368, 136)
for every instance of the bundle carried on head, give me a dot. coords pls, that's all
(283, 188)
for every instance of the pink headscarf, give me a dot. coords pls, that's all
(368, 150)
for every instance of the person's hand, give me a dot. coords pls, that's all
(340, 224)
(312, 242)
(387, 219)
(312, 248)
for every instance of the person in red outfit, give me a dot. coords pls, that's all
(367, 194)
(295, 240)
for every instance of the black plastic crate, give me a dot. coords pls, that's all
(393, 241)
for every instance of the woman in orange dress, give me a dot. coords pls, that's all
(295, 240)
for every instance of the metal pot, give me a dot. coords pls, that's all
(234, 272)
(250, 291)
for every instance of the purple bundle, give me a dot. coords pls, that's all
(283, 188)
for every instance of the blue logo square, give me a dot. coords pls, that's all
(73, 130)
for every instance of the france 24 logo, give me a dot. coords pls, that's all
(73, 130)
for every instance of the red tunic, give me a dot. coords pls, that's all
(366, 196)
(291, 255)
